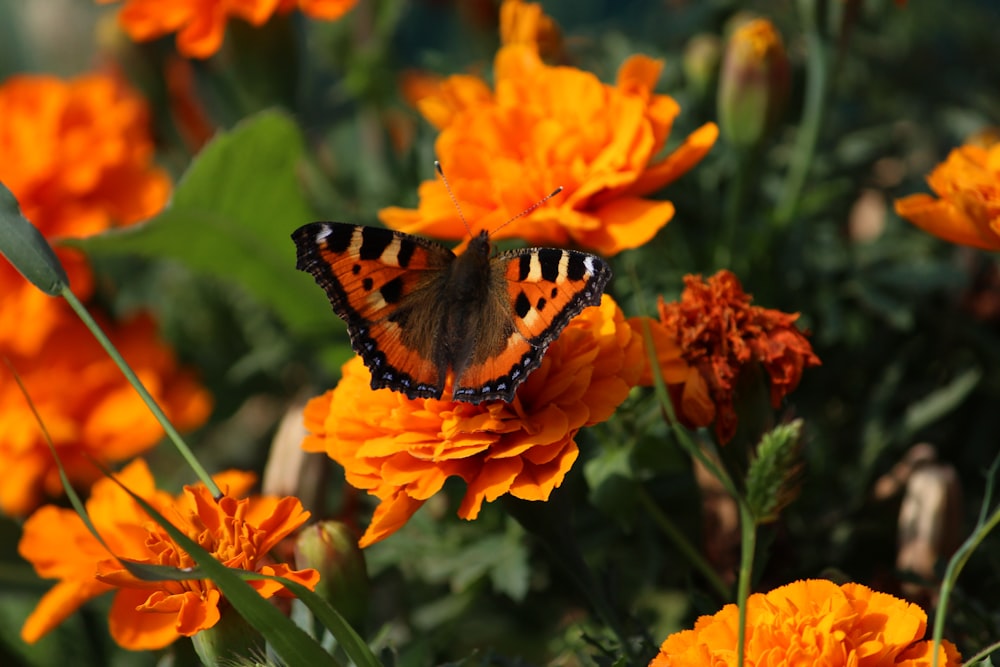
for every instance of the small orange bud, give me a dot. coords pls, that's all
(753, 85)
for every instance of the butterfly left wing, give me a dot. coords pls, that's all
(542, 290)
(378, 280)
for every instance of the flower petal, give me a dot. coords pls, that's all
(941, 218)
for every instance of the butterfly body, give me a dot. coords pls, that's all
(415, 310)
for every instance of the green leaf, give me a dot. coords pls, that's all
(349, 640)
(25, 247)
(232, 215)
(772, 473)
(941, 401)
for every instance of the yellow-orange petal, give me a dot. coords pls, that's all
(56, 606)
(941, 218)
(326, 10)
(669, 355)
(679, 162)
(628, 223)
(389, 516)
(639, 74)
(140, 631)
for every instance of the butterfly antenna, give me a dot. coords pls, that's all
(530, 208)
(454, 200)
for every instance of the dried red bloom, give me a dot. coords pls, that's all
(719, 334)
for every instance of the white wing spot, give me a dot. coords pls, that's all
(357, 237)
(535, 273)
(390, 256)
(563, 268)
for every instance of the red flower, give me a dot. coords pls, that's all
(719, 333)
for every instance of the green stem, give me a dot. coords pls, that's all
(961, 557)
(981, 655)
(748, 547)
(748, 524)
(147, 398)
(682, 543)
(812, 114)
(735, 208)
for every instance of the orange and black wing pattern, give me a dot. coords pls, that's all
(375, 278)
(545, 289)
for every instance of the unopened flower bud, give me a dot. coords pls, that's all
(700, 62)
(331, 548)
(25, 247)
(228, 641)
(753, 85)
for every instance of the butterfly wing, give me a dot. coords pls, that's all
(377, 280)
(541, 291)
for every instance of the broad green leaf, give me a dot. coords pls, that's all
(25, 247)
(232, 215)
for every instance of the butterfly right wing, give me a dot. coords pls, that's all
(379, 282)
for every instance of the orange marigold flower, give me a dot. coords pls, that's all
(544, 127)
(78, 157)
(150, 615)
(201, 24)
(968, 209)
(812, 622)
(402, 450)
(88, 408)
(718, 333)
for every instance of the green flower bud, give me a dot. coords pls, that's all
(25, 247)
(753, 85)
(331, 548)
(230, 641)
(700, 62)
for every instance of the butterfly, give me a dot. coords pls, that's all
(415, 310)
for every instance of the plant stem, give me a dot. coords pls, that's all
(812, 114)
(983, 527)
(147, 398)
(744, 160)
(748, 547)
(682, 543)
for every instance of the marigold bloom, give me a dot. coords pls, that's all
(403, 450)
(79, 158)
(201, 24)
(88, 408)
(150, 615)
(719, 333)
(968, 209)
(811, 622)
(544, 127)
